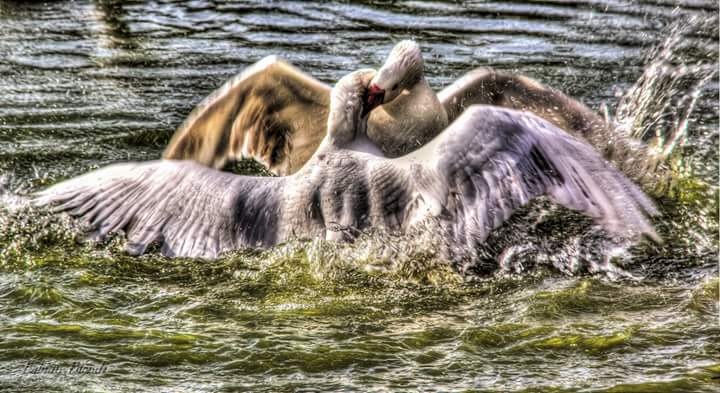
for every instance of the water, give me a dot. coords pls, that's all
(88, 83)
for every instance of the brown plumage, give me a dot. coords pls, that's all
(275, 113)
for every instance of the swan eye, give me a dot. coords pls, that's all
(395, 86)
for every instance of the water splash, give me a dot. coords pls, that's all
(652, 118)
(533, 239)
(657, 110)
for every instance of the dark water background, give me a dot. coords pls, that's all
(86, 83)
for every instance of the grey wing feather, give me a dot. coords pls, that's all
(492, 161)
(192, 210)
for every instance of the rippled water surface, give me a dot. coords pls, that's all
(83, 84)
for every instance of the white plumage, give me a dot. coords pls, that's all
(466, 182)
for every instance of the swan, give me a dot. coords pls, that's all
(464, 183)
(402, 76)
(276, 114)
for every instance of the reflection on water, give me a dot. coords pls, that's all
(88, 83)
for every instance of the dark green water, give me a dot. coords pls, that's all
(83, 84)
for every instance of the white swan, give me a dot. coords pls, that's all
(402, 76)
(466, 182)
(276, 114)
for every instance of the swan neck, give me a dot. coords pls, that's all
(341, 134)
(421, 86)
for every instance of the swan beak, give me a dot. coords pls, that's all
(375, 97)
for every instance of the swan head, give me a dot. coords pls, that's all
(349, 107)
(402, 70)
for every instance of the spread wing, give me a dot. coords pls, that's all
(488, 163)
(272, 112)
(194, 211)
(492, 160)
(490, 87)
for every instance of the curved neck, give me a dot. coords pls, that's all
(342, 132)
(419, 81)
(421, 85)
(405, 100)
